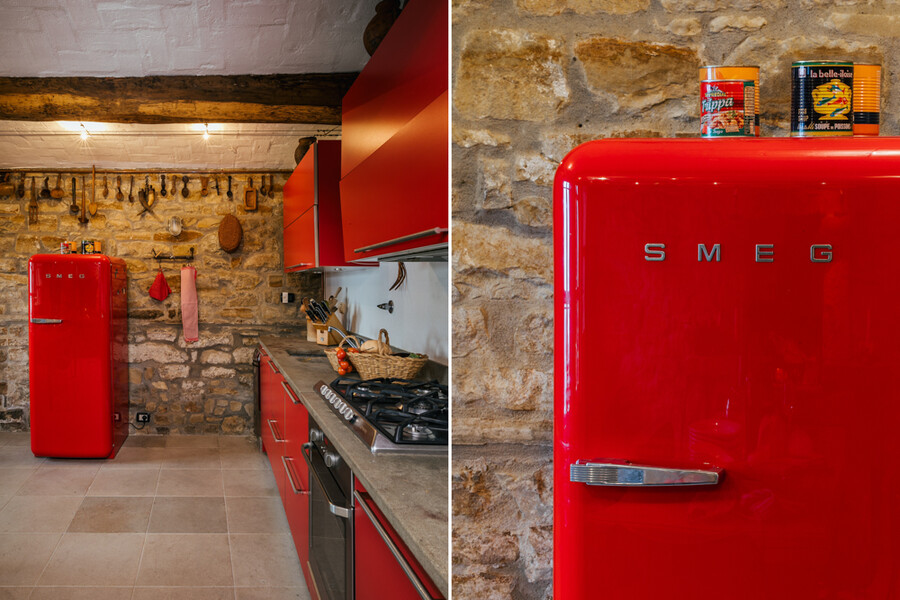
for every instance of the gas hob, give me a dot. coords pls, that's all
(392, 415)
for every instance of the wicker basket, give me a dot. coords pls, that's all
(331, 353)
(374, 364)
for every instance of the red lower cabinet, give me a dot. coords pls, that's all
(295, 495)
(271, 414)
(385, 568)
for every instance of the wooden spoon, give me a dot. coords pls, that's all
(229, 194)
(73, 208)
(105, 189)
(204, 186)
(271, 186)
(119, 195)
(82, 218)
(184, 191)
(57, 192)
(92, 207)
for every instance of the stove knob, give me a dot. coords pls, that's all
(331, 459)
(315, 435)
(349, 416)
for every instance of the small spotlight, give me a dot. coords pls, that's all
(206, 131)
(84, 132)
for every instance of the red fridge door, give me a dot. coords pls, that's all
(70, 355)
(725, 304)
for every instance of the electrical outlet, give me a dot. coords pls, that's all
(143, 417)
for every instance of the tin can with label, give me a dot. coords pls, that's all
(821, 98)
(726, 108)
(714, 72)
(87, 246)
(866, 99)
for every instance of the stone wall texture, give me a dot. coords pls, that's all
(532, 79)
(199, 387)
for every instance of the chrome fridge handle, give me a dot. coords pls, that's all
(37, 321)
(625, 474)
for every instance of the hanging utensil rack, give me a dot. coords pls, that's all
(161, 256)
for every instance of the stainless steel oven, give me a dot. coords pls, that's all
(330, 518)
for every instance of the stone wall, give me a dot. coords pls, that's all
(201, 387)
(532, 79)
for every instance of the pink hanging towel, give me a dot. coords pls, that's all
(189, 317)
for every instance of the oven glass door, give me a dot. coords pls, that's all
(328, 533)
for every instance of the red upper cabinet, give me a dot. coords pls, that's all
(395, 142)
(312, 210)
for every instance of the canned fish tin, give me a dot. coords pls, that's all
(866, 99)
(714, 72)
(87, 246)
(821, 98)
(726, 108)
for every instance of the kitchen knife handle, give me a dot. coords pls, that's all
(37, 321)
(336, 509)
(290, 394)
(274, 434)
(621, 473)
(392, 546)
(290, 477)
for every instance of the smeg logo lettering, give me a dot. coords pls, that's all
(764, 253)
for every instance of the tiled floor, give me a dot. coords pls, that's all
(170, 518)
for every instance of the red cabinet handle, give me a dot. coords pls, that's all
(395, 550)
(274, 434)
(289, 393)
(296, 489)
(273, 367)
(405, 238)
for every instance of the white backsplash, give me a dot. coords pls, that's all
(420, 321)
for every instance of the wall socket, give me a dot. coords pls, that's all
(143, 417)
(287, 297)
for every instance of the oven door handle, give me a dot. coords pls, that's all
(395, 550)
(336, 509)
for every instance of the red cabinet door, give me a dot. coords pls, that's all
(400, 191)
(384, 567)
(296, 493)
(300, 250)
(727, 306)
(300, 188)
(272, 416)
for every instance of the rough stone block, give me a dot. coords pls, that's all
(215, 357)
(510, 74)
(174, 371)
(157, 352)
(737, 22)
(717, 5)
(581, 7)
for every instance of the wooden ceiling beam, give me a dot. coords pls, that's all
(309, 98)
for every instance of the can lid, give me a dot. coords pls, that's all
(748, 82)
(730, 67)
(821, 63)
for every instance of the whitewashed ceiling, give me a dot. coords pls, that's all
(134, 38)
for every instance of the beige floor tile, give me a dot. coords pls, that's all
(238, 442)
(192, 458)
(15, 438)
(124, 482)
(98, 514)
(243, 459)
(93, 464)
(256, 515)
(192, 441)
(190, 482)
(201, 560)
(145, 441)
(272, 593)
(265, 560)
(183, 593)
(18, 457)
(249, 482)
(24, 555)
(58, 482)
(94, 559)
(82, 593)
(15, 593)
(36, 514)
(188, 515)
(135, 457)
(12, 479)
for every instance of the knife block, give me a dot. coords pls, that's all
(326, 337)
(310, 331)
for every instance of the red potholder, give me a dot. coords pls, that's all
(160, 288)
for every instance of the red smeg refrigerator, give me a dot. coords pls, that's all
(77, 355)
(727, 370)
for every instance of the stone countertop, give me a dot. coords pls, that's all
(411, 491)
